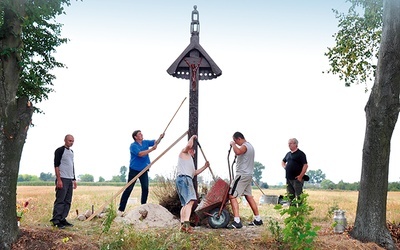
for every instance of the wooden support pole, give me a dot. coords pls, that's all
(201, 149)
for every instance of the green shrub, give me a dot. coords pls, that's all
(298, 232)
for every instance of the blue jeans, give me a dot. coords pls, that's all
(144, 182)
(185, 189)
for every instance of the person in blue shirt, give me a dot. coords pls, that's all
(139, 150)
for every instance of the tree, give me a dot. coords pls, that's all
(27, 177)
(357, 43)
(28, 37)
(382, 109)
(122, 172)
(258, 168)
(328, 184)
(116, 178)
(86, 178)
(47, 177)
(101, 179)
(316, 176)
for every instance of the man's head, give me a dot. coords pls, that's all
(137, 135)
(192, 151)
(238, 138)
(69, 141)
(293, 144)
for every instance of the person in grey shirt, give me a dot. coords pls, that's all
(185, 172)
(241, 185)
(65, 182)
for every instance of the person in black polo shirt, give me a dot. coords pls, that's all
(295, 165)
(65, 182)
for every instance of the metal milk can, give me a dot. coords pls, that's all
(340, 221)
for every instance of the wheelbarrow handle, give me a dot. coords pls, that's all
(230, 167)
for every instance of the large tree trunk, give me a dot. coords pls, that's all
(15, 118)
(382, 111)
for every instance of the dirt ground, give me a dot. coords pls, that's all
(151, 216)
(47, 238)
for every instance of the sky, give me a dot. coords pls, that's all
(272, 88)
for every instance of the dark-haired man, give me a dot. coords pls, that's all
(241, 185)
(139, 150)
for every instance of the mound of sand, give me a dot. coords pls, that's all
(149, 216)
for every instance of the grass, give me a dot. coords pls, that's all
(41, 200)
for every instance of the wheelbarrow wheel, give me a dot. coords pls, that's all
(220, 221)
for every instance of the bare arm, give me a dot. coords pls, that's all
(189, 144)
(238, 150)
(198, 171)
(148, 151)
(59, 184)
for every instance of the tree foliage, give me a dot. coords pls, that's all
(258, 169)
(355, 53)
(47, 176)
(328, 184)
(27, 177)
(86, 178)
(116, 178)
(316, 176)
(41, 35)
(122, 172)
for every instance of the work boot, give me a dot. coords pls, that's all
(186, 228)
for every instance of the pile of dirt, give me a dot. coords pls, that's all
(149, 216)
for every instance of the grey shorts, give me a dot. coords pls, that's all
(241, 185)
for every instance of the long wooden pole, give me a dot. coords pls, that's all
(98, 211)
(201, 149)
(258, 186)
(159, 139)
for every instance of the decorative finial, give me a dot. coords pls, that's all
(195, 24)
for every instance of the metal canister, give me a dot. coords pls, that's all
(340, 221)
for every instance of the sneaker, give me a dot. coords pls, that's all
(120, 213)
(256, 223)
(236, 225)
(66, 223)
(59, 225)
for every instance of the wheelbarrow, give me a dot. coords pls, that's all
(214, 203)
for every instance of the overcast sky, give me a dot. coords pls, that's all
(272, 88)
